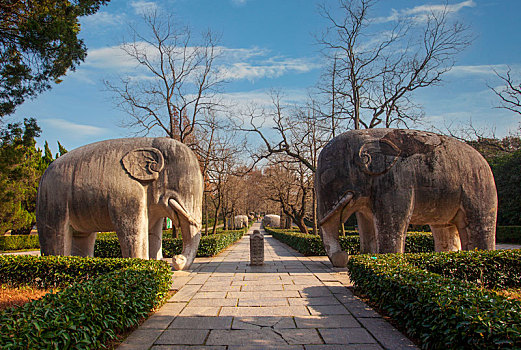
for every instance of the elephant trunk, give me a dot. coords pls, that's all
(329, 225)
(191, 237)
(191, 233)
(329, 232)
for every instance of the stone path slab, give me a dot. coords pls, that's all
(291, 302)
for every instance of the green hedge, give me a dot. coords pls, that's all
(504, 234)
(444, 311)
(490, 269)
(107, 245)
(108, 295)
(19, 242)
(311, 245)
(209, 245)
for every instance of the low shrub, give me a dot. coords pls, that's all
(59, 271)
(107, 296)
(311, 245)
(490, 269)
(19, 242)
(209, 245)
(441, 311)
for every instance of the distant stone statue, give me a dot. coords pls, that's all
(271, 220)
(123, 185)
(256, 248)
(392, 178)
(241, 221)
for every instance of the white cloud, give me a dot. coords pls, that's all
(112, 58)
(421, 12)
(73, 128)
(241, 100)
(142, 7)
(232, 64)
(103, 18)
(271, 68)
(479, 70)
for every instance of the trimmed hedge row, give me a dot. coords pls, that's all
(440, 311)
(504, 234)
(19, 242)
(60, 271)
(208, 246)
(88, 313)
(311, 245)
(107, 245)
(490, 269)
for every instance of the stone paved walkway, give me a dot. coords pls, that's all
(292, 302)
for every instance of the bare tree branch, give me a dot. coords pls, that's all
(375, 71)
(510, 93)
(174, 81)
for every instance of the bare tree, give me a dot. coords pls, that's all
(223, 168)
(175, 80)
(290, 184)
(510, 93)
(297, 135)
(377, 63)
(290, 132)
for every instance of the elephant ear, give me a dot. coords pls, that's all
(144, 163)
(377, 157)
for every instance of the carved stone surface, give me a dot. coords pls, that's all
(123, 185)
(392, 178)
(271, 220)
(241, 221)
(256, 248)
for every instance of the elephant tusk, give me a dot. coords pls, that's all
(180, 210)
(340, 205)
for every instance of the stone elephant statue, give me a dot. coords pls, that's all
(392, 178)
(271, 220)
(123, 185)
(240, 221)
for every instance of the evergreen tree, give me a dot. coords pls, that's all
(20, 171)
(61, 150)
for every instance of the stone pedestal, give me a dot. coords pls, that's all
(256, 248)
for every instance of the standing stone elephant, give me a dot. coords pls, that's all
(240, 221)
(123, 185)
(392, 178)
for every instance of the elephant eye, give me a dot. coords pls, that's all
(365, 158)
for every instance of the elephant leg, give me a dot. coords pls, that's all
(392, 213)
(446, 238)
(366, 231)
(155, 240)
(480, 219)
(461, 223)
(329, 232)
(132, 230)
(55, 233)
(83, 243)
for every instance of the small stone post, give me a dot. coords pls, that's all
(256, 248)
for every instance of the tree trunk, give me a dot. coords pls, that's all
(205, 214)
(301, 224)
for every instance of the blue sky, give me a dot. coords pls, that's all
(271, 45)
